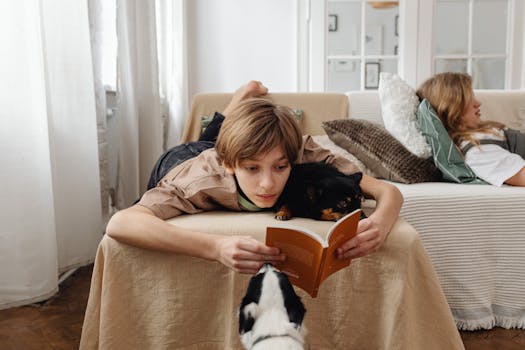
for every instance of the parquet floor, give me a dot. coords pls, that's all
(57, 323)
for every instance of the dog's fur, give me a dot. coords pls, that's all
(271, 313)
(319, 191)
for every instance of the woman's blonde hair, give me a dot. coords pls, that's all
(450, 94)
(254, 128)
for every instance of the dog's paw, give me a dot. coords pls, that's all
(330, 215)
(284, 213)
(281, 216)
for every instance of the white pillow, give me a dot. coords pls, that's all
(399, 104)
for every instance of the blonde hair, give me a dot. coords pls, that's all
(449, 94)
(255, 127)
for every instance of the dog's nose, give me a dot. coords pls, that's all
(266, 267)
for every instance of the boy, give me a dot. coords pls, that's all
(246, 171)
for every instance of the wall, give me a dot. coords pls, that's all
(233, 41)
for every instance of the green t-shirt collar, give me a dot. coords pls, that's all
(246, 204)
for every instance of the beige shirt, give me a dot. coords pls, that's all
(202, 184)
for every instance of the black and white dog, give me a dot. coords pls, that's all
(271, 313)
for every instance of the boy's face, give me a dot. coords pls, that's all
(262, 179)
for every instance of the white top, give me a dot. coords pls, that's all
(493, 163)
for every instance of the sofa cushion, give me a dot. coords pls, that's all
(446, 155)
(399, 106)
(380, 151)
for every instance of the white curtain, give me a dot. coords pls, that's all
(50, 213)
(138, 98)
(152, 92)
(173, 72)
(96, 30)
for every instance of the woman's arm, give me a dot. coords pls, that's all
(373, 230)
(138, 226)
(518, 179)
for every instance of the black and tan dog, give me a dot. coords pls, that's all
(319, 191)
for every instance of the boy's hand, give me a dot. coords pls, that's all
(245, 254)
(368, 240)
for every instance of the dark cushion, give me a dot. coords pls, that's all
(380, 151)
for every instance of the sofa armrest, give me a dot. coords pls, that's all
(141, 299)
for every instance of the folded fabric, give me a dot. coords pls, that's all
(447, 158)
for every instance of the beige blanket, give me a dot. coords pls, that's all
(142, 299)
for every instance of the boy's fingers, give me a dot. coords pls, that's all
(255, 246)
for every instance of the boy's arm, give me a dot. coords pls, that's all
(373, 230)
(138, 226)
(313, 152)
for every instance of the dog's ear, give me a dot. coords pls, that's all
(247, 316)
(357, 177)
(312, 193)
(292, 302)
(253, 294)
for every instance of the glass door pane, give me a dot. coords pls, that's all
(451, 65)
(344, 74)
(382, 32)
(489, 30)
(451, 27)
(344, 28)
(488, 73)
(471, 36)
(362, 41)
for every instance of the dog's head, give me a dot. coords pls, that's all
(319, 191)
(271, 313)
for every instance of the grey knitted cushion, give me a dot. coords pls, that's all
(380, 151)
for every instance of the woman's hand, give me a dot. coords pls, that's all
(245, 254)
(370, 236)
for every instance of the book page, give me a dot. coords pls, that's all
(342, 231)
(303, 230)
(303, 255)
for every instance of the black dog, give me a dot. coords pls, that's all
(319, 191)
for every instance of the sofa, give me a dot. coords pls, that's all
(474, 234)
(391, 299)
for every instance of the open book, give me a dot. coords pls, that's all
(310, 259)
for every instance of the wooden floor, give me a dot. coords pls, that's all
(57, 323)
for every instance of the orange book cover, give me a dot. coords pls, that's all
(310, 259)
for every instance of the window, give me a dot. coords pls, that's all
(351, 41)
(470, 36)
(362, 41)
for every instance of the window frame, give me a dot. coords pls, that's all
(415, 55)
